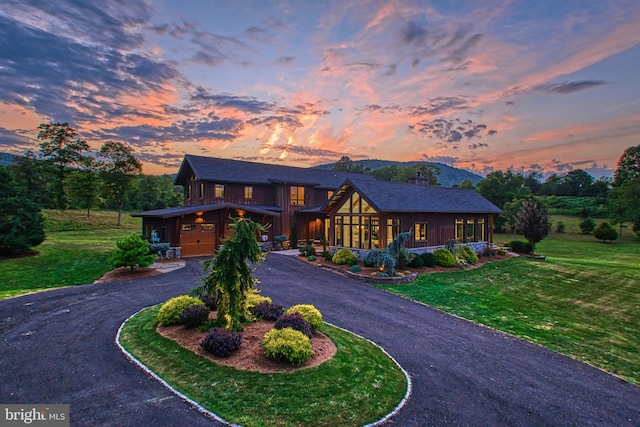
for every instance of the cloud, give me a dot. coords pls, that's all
(445, 160)
(12, 141)
(285, 60)
(564, 88)
(453, 130)
(440, 105)
(246, 104)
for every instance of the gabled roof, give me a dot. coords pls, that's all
(238, 171)
(188, 210)
(395, 197)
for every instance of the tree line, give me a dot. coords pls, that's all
(65, 174)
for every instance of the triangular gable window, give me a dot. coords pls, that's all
(355, 205)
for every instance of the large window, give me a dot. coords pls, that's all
(470, 230)
(393, 229)
(297, 195)
(482, 230)
(248, 192)
(357, 225)
(421, 232)
(219, 191)
(459, 236)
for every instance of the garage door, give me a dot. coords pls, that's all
(198, 239)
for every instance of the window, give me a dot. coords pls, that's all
(393, 229)
(297, 195)
(471, 230)
(201, 191)
(188, 190)
(421, 232)
(248, 192)
(357, 224)
(219, 191)
(459, 236)
(329, 194)
(482, 230)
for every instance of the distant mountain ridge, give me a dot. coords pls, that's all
(448, 177)
(6, 159)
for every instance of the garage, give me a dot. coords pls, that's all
(198, 239)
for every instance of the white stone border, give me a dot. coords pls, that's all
(216, 417)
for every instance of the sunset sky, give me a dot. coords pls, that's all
(549, 86)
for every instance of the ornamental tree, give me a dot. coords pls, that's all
(230, 275)
(533, 222)
(130, 251)
(604, 231)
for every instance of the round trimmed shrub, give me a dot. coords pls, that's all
(326, 255)
(429, 259)
(311, 258)
(344, 256)
(194, 316)
(444, 258)
(294, 321)
(267, 311)
(221, 342)
(355, 268)
(416, 262)
(170, 311)
(287, 345)
(210, 300)
(254, 299)
(311, 314)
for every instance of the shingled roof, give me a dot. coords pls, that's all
(396, 197)
(238, 171)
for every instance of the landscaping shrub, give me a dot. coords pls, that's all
(170, 311)
(194, 316)
(604, 231)
(294, 321)
(221, 342)
(467, 254)
(326, 255)
(560, 227)
(307, 250)
(210, 301)
(287, 345)
(587, 225)
(311, 258)
(130, 251)
(267, 311)
(311, 314)
(404, 258)
(429, 259)
(373, 257)
(355, 268)
(520, 246)
(344, 256)
(444, 258)
(254, 298)
(416, 262)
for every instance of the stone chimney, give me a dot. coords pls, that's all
(418, 179)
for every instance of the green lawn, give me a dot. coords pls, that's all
(359, 385)
(582, 300)
(75, 251)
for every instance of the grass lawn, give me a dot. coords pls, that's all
(360, 385)
(582, 300)
(75, 251)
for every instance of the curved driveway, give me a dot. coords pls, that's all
(58, 347)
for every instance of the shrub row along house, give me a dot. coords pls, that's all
(345, 209)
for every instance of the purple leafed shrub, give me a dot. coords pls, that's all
(267, 311)
(194, 316)
(221, 342)
(294, 321)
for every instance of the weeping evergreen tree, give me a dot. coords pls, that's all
(390, 256)
(230, 274)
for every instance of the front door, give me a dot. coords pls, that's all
(198, 239)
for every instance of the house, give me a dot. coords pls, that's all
(350, 210)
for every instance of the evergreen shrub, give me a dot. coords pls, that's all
(194, 316)
(444, 258)
(311, 314)
(221, 342)
(429, 259)
(344, 256)
(416, 262)
(287, 345)
(169, 313)
(326, 255)
(467, 254)
(307, 250)
(311, 258)
(355, 268)
(520, 246)
(294, 321)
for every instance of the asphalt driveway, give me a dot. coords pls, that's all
(58, 347)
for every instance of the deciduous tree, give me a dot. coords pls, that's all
(59, 148)
(533, 221)
(118, 166)
(604, 231)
